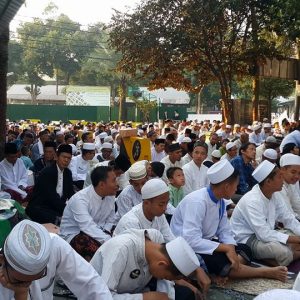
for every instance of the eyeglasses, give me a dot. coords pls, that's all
(41, 275)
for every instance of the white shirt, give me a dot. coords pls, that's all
(259, 152)
(195, 177)
(127, 199)
(255, 138)
(155, 156)
(291, 197)
(168, 164)
(210, 149)
(88, 212)
(135, 218)
(12, 176)
(60, 181)
(76, 273)
(256, 214)
(130, 275)
(198, 219)
(186, 159)
(79, 168)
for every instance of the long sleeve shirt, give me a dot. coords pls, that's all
(88, 212)
(76, 273)
(79, 168)
(195, 177)
(136, 219)
(256, 214)
(199, 218)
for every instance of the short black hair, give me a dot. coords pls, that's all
(287, 148)
(245, 146)
(171, 171)
(100, 174)
(158, 168)
(172, 268)
(24, 150)
(200, 144)
(84, 136)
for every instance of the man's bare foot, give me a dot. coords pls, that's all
(279, 273)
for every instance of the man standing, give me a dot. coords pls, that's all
(52, 189)
(89, 216)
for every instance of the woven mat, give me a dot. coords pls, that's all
(257, 286)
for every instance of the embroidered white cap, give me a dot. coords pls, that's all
(137, 171)
(237, 125)
(216, 154)
(153, 188)
(220, 171)
(103, 135)
(88, 146)
(182, 256)
(271, 154)
(267, 125)
(289, 159)
(256, 127)
(230, 145)
(263, 170)
(113, 131)
(108, 139)
(228, 126)
(186, 139)
(271, 139)
(27, 248)
(106, 146)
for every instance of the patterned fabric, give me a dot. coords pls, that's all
(11, 213)
(245, 170)
(85, 245)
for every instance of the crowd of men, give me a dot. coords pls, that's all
(213, 198)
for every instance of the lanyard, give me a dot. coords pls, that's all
(215, 200)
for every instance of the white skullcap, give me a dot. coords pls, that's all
(153, 188)
(265, 120)
(289, 159)
(271, 139)
(271, 154)
(249, 127)
(182, 256)
(220, 171)
(256, 127)
(279, 294)
(27, 248)
(59, 133)
(108, 139)
(137, 171)
(106, 146)
(113, 131)
(230, 145)
(228, 126)
(237, 125)
(186, 139)
(216, 154)
(267, 125)
(88, 146)
(263, 170)
(103, 135)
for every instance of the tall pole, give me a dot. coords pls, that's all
(297, 95)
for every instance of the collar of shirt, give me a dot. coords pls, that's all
(94, 194)
(216, 201)
(60, 172)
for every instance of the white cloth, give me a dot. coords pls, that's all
(41, 148)
(76, 273)
(155, 156)
(195, 177)
(255, 138)
(127, 199)
(259, 152)
(168, 164)
(88, 212)
(256, 214)
(210, 149)
(79, 168)
(290, 195)
(94, 164)
(127, 281)
(12, 176)
(60, 181)
(135, 218)
(197, 220)
(186, 159)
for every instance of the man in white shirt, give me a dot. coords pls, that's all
(32, 258)
(188, 157)
(106, 153)
(201, 219)
(195, 172)
(253, 219)
(173, 159)
(290, 170)
(231, 151)
(13, 173)
(81, 164)
(89, 216)
(139, 255)
(158, 150)
(131, 195)
(255, 137)
(151, 212)
(212, 144)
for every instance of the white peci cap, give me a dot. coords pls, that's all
(228, 126)
(263, 171)
(182, 256)
(106, 146)
(103, 135)
(229, 145)
(186, 139)
(271, 154)
(88, 146)
(216, 154)
(256, 127)
(153, 188)
(137, 171)
(220, 171)
(108, 139)
(289, 159)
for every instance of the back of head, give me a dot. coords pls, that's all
(100, 173)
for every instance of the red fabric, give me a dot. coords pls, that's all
(16, 196)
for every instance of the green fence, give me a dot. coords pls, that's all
(90, 113)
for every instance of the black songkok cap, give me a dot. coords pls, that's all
(174, 147)
(10, 148)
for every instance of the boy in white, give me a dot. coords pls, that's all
(253, 219)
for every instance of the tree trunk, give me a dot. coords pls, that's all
(56, 90)
(198, 110)
(227, 105)
(4, 38)
(255, 99)
(122, 96)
